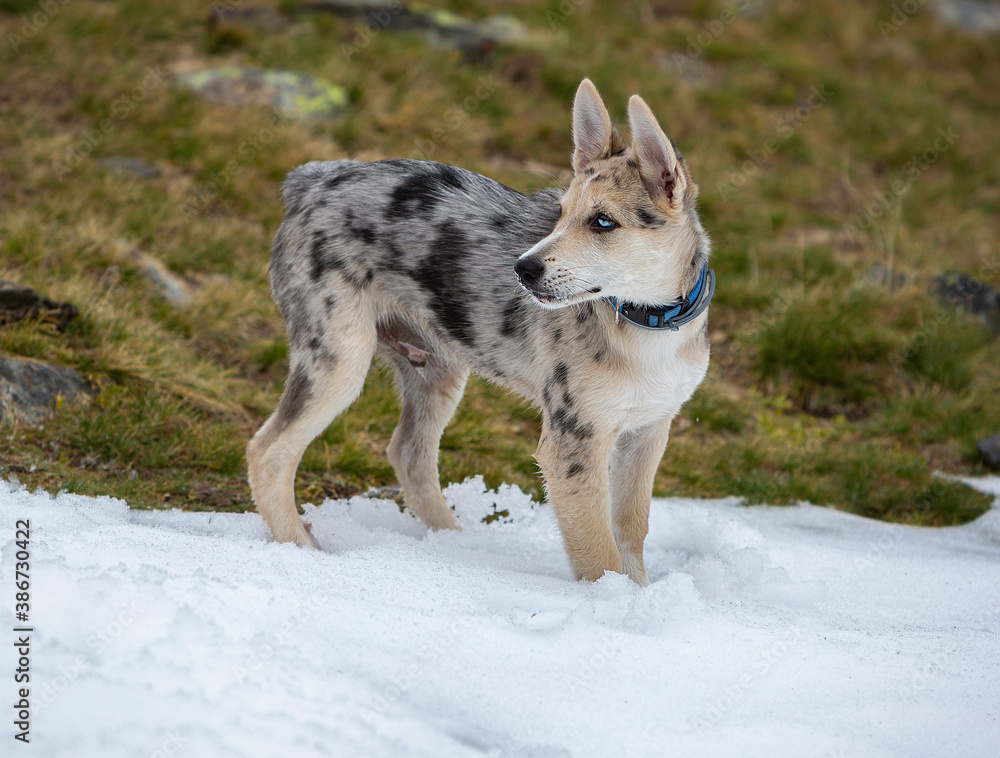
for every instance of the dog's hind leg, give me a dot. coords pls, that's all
(636, 458)
(430, 396)
(323, 381)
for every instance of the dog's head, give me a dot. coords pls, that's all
(628, 226)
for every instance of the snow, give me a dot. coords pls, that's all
(766, 631)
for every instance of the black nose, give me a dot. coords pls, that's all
(529, 270)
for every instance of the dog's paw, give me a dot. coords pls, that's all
(306, 539)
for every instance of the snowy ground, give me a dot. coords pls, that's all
(766, 632)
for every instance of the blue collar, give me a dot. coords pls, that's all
(671, 316)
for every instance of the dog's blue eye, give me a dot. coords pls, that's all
(603, 224)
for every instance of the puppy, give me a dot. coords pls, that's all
(590, 302)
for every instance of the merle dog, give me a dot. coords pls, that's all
(590, 302)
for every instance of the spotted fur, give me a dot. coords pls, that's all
(421, 262)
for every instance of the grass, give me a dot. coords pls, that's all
(826, 384)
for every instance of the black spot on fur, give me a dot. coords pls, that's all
(335, 181)
(364, 233)
(514, 323)
(421, 191)
(599, 356)
(557, 336)
(450, 176)
(315, 343)
(584, 313)
(576, 468)
(414, 195)
(570, 424)
(499, 221)
(330, 302)
(648, 219)
(561, 374)
(298, 392)
(392, 259)
(546, 397)
(442, 274)
(318, 255)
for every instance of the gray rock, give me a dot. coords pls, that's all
(223, 18)
(30, 390)
(989, 448)
(294, 94)
(972, 15)
(18, 302)
(445, 27)
(970, 294)
(124, 165)
(171, 287)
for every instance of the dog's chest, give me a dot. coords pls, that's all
(652, 379)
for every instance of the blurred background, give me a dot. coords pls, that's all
(846, 151)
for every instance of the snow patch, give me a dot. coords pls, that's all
(765, 631)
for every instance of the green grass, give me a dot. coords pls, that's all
(825, 386)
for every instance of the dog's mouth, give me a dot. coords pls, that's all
(554, 299)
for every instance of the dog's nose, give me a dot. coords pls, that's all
(529, 270)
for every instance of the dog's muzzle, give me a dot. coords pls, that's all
(530, 271)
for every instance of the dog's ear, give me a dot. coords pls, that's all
(593, 135)
(663, 170)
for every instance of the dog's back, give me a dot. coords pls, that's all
(422, 240)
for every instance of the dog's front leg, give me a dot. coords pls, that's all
(574, 459)
(636, 457)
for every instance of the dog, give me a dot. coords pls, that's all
(590, 302)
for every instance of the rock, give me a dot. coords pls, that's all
(472, 37)
(989, 448)
(223, 18)
(975, 296)
(123, 165)
(389, 492)
(296, 95)
(18, 302)
(171, 287)
(971, 15)
(29, 390)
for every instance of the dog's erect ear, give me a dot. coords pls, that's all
(593, 135)
(663, 170)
